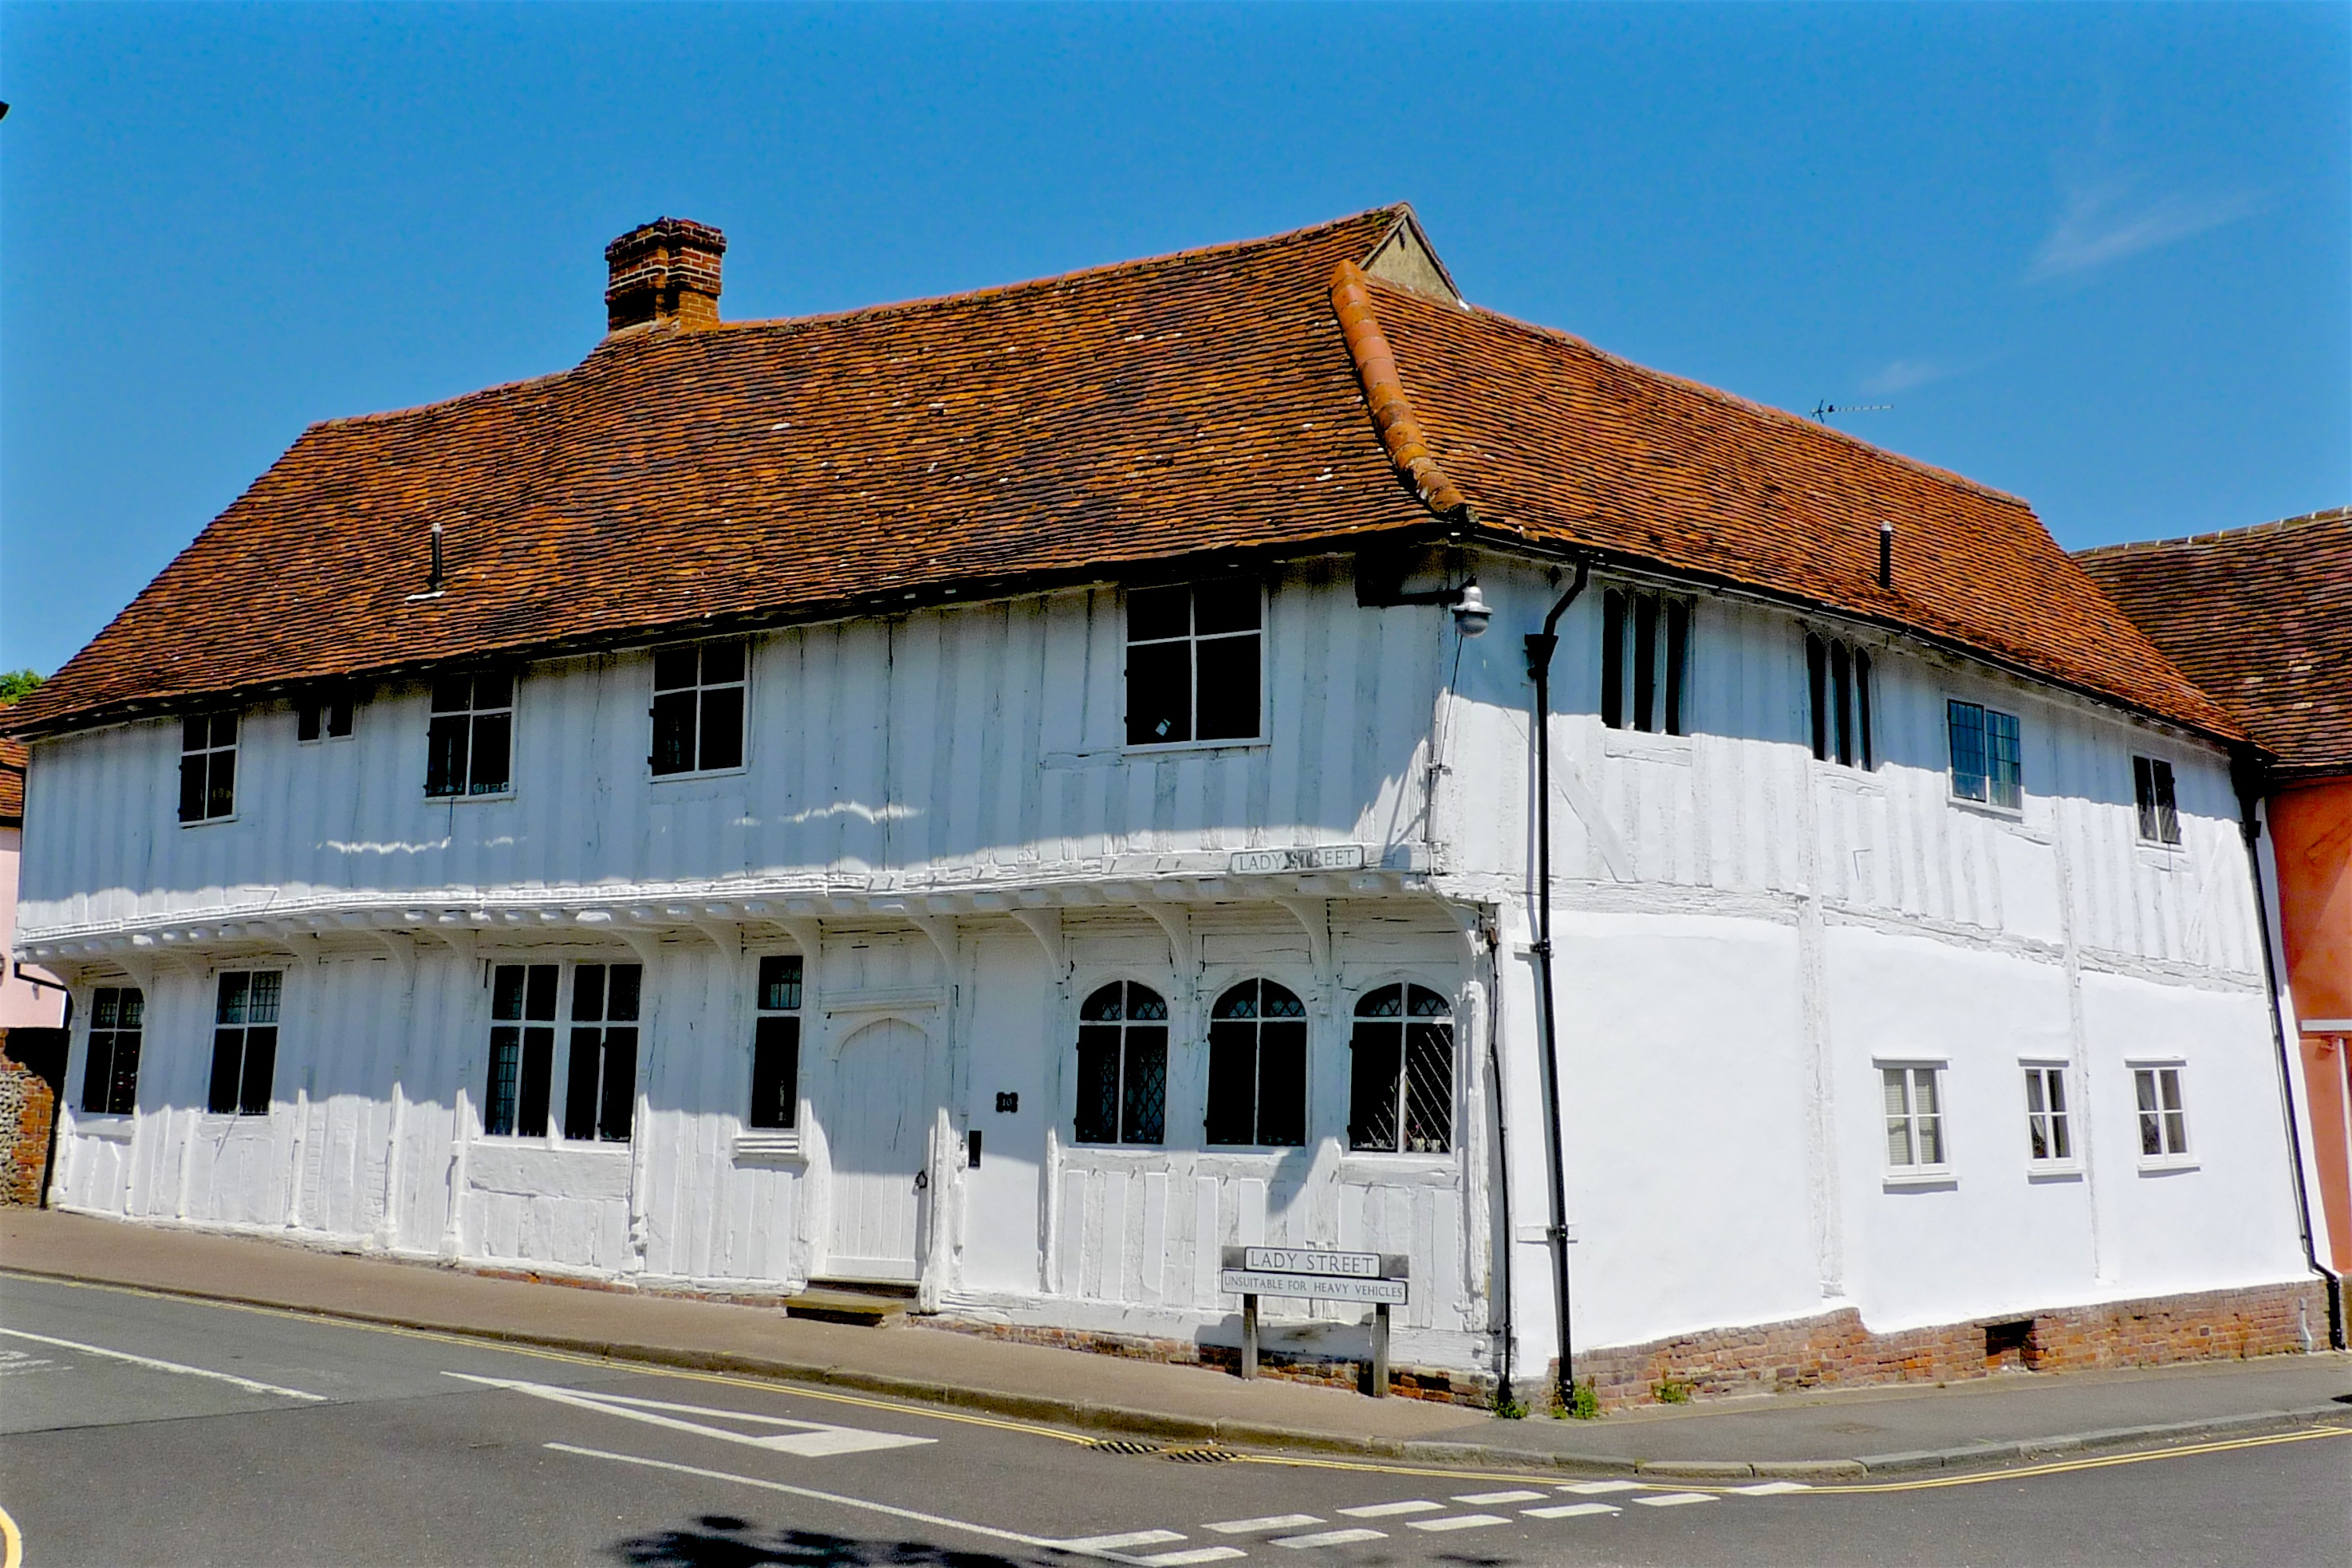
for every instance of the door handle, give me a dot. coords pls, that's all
(922, 1180)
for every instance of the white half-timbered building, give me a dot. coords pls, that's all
(1012, 795)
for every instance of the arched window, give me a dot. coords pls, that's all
(1257, 1065)
(1400, 1100)
(1123, 1066)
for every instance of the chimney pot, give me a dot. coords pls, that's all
(665, 271)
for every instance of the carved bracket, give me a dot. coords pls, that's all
(1315, 916)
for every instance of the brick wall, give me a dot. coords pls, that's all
(25, 1106)
(1834, 1350)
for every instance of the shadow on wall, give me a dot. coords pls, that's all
(722, 1541)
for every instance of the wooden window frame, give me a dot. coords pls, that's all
(107, 1078)
(1377, 1085)
(1657, 667)
(697, 698)
(247, 1018)
(2155, 801)
(1128, 1039)
(208, 765)
(476, 720)
(1246, 1066)
(1146, 610)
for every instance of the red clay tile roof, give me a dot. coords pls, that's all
(11, 782)
(2261, 617)
(1073, 429)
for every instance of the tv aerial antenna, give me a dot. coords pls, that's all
(1824, 409)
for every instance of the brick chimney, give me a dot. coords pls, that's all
(666, 270)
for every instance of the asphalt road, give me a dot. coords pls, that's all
(138, 1429)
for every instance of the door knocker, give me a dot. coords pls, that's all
(922, 1180)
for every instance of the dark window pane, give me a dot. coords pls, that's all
(1279, 1002)
(588, 991)
(1097, 1117)
(1228, 604)
(1233, 1083)
(722, 727)
(229, 1006)
(1817, 682)
(776, 1072)
(1229, 688)
(261, 1006)
(453, 694)
(580, 1085)
(339, 717)
(673, 668)
(227, 1057)
(506, 991)
(134, 1008)
(220, 784)
(192, 787)
(445, 755)
(721, 662)
(1677, 660)
(621, 988)
(780, 983)
(1159, 693)
(260, 1068)
(1282, 1084)
(1842, 688)
(1645, 662)
(541, 1002)
(1388, 1002)
(1157, 613)
(1145, 1004)
(506, 1075)
(493, 691)
(1861, 705)
(1103, 1006)
(224, 730)
(1428, 1004)
(1966, 723)
(122, 1091)
(103, 1006)
(2144, 796)
(617, 1116)
(1143, 1100)
(1612, 660)
(2167, 811)
(537, 1069)
(1429, 1087)
(192, 731)
(674, 713)
(1241, 1002)
(1373, 1086)
(308, 723)
(98, 1072)
(2004, 758)
(486, 772)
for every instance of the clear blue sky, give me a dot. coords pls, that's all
(2101, 258)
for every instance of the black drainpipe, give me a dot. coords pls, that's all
(1488, 932)
(1540, 647)
(2245, 773)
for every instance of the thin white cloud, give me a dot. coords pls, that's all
(1903, 374)
(2105, 223)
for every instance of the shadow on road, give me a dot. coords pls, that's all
(723, 1541)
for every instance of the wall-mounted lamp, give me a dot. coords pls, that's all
(1470, 611)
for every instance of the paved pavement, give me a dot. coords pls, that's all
(138, 1428)
(1817, 1437)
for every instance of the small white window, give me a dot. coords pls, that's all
(1915, 1122)
(2159, 815)
(2049, 1118)
(470, 736)
(244, 1042)
(324, 716)
(208, 767)
(1644, 660)
(1987, 757)
(2163, 1123)
(697, 709)
(1192, 661)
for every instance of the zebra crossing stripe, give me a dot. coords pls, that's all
(1198, 1554)
(1573, 1510)
(1330, 1538)
(1674, 1500)
(1483, 1499)
(1258, 1526)
(1120, 1542)
(1595, 1488)
(1389, 1510)
(1457, 1521)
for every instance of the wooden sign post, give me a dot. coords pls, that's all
(1383, 1278)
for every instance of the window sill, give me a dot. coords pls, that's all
(114, 1127)
(2168, 1164)
(469, 799)
(697, 775)
(1118, 1151)
(1645, 744)
(764, 1144)
(2053, 1170)
(1179, 748)
(211, 821)
(2011, 813)
(556, 1144)
(1918, 1177)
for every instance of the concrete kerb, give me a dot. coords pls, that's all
(1088, 1415)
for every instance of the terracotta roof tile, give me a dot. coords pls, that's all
(12, 782)
(1073, 428)
(2261, 618)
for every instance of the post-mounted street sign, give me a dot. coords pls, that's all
(1382, 1278)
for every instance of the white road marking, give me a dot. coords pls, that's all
(248, 1385)
(1330, 1538)
(1595, 1488)
(1772, 1488)
(1198, 1554)
(1132, 1537)
(1271, 1521)
(940, 1521)
(808, 1440)
(1674, 1500)
(1573, 1510)
(1457, 1521)
(1484, 1498)
(1388, 1510)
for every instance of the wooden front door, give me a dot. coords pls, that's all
(874, 1135)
